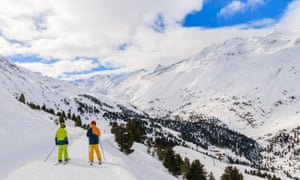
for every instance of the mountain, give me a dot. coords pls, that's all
(235, 102)
(27, 129)
(27, 132)
(249, 84)
(54, 94)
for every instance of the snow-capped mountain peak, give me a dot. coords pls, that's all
(238, 81)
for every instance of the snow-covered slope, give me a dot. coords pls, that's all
(37, 88)
(54, 94)
(27, 134)
(139, 165)
(243, 82)
(24, 134)
(249, 84)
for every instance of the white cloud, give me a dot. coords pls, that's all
(255, 3)
(267, 22)
(236, 6)
(58, 68)
(232, 8)
(67, 29)
(85, 28)
(290, 20)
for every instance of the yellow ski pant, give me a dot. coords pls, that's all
(63, 150)
(95, 147)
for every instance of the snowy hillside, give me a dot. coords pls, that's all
(250, 85)
(54, 94)
(139, 165)
(24, 134)
(27, 129)
(240, 97)
(34, 86)
(243, 82)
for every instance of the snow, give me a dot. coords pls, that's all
(138, 165)
(251, 85)
(27, 135)
(256, 76)
(213, 165)
(24, 133)
(259, 70)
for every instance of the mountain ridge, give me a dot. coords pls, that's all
(236, 80)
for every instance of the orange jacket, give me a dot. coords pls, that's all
(93, 134)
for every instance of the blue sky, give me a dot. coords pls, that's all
(209, 16)
(77, 39)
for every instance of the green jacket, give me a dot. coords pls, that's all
(61, 137)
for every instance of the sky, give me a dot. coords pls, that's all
(74, 39)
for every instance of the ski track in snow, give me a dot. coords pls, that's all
(116, 165)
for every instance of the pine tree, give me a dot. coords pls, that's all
(149, 146)
(78, 121)
(231, 173)
(114, 128)
(185, 167)
(177, 164)
(61, 118)
(211, 176)
(69, 114)
(22, 98)
(197, 171)
(169, 159)
(51, 111)
(127, 143)
(63, 114)
(136, 130)
(123, 138)
(44, 107)
(172, 162)
(160, 153)
(73, 117)
(34, 106)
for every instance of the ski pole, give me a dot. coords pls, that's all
(50, 153)
(100, 143)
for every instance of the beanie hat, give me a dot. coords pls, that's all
(93, 122)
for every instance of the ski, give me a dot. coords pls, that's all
(58, 163)
(99, 164)
(63, 162)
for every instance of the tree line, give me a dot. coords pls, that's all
(62, 116)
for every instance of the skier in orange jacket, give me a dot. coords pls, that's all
(93, 134)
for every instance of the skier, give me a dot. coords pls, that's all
(61, 140)
(93, 134)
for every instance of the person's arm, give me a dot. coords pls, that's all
(88, 133)
(56, 142)
(66, 138)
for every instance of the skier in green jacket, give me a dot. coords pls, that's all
(61, 140)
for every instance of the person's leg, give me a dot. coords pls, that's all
(66, 154)
(98, 152)
(91, 152)
(60, 151)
